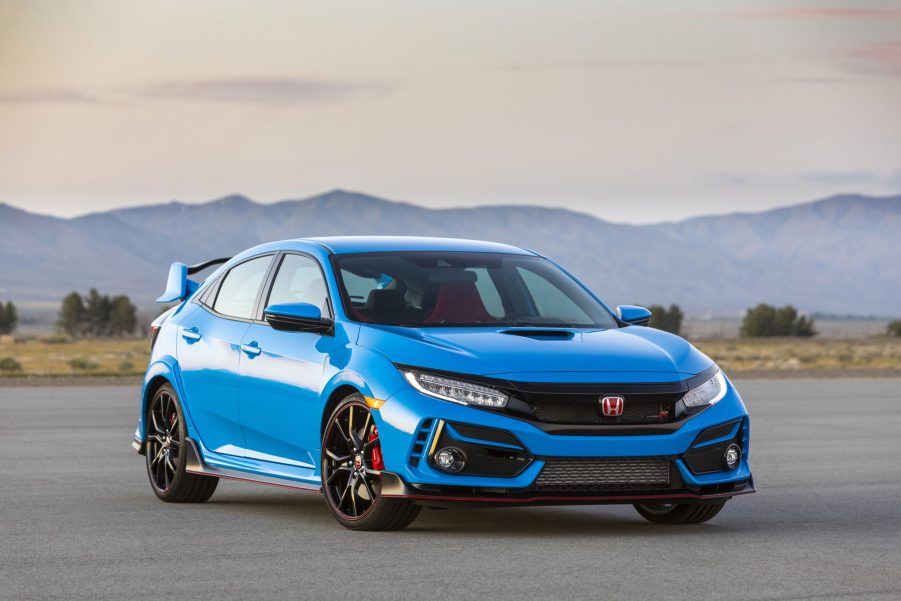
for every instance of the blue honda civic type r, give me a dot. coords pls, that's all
(393, 373)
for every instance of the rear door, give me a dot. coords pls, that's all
(208, 349)
(282, 372)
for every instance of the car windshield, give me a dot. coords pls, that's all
(435, 289)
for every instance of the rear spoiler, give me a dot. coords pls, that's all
(178, 286)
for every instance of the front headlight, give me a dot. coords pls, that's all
(456, 391)
(708, 393)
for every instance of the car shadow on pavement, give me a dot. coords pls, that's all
(309, 510)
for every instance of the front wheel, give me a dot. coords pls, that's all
(680, 513)
(352, 468)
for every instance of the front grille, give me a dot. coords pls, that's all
(586, 409)
(604, 475)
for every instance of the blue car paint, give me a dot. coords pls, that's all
(263, 414)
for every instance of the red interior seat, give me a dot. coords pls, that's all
(459, 302)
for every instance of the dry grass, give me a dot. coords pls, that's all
(782, 356)
(789, 355)
(64, 357)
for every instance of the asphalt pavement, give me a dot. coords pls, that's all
(78, 520)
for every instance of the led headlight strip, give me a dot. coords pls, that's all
(455, 391)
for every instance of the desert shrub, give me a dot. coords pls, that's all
(10, 364)
(80, 364)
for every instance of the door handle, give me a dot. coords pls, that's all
(251, 350)
(191, 334)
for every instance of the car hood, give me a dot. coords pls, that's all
(630, 354)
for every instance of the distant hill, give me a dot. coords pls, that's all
(839, 255)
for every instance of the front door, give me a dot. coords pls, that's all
(282, 372)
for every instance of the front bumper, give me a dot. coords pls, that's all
(438, 496)
(413, 426)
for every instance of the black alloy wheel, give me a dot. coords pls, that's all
(352, 466)
(165, 449)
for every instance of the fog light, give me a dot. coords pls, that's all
(450, 460)
(732, 456)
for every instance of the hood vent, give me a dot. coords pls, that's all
(537, 333)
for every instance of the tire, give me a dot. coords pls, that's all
(164, 446)
(351, 472)
(680, 513)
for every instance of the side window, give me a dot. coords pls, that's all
(488, 291)
(299, 280)
(550, 301)
(239, 288)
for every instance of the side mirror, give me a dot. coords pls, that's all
(636, 316)
(297, 317)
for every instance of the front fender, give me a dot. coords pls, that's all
(370, 372)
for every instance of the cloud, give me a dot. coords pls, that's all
(817, 80)
(259, 90)
(841, 178)
(730, 178)
(884, 58)
(241, 90)
(50, 95)
(822, 11)
(602, 64)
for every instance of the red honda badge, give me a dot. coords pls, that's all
(612, 406)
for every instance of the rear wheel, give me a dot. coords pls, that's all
(680, 513)
(166, 436)
(352, 472)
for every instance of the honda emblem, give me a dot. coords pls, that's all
(612, 406)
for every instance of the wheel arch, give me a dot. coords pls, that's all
(159, 373)
(337, 395)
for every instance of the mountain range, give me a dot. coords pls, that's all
(839, 255)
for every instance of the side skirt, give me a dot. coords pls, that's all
(194, 464)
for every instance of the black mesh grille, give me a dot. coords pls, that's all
(586, 409)
(604, 474)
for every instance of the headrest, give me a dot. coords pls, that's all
(453, 276)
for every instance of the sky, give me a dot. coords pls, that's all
(633, 111)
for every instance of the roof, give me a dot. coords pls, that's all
(360, 244)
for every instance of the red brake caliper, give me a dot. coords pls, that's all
(377, 462)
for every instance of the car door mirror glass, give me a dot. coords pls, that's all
(636, 316)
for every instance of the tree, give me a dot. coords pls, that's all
(668, 320)
(766, 320)
(803, 326)
(894, 328)
(9, 318)
(97, 315)
(123, 317)
(71, 315)
(97, 310)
